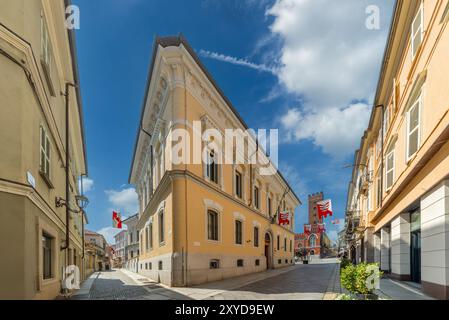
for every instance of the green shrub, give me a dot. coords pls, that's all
(347, 278)
(344, 263)
(355, 278)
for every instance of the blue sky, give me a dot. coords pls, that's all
(307, 68)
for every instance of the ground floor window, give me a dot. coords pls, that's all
(240, 263)
(47, 256)
(256, 236)
(238, 232)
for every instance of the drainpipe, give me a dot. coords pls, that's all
(67, 168)
(382, 151)
(82, 217)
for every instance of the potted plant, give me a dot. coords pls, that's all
(358, 280)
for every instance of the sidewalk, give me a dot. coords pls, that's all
(210, 289)
(400, 290)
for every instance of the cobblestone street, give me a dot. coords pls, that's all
(301, 282)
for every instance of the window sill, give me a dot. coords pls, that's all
(47, 180)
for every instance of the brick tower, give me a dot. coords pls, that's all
(313, 216)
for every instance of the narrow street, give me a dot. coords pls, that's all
(301, 282)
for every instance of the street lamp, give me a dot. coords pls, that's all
(81, 201)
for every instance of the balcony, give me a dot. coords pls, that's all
(365, 181)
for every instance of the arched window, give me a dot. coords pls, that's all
(312, 241)
(212, 225)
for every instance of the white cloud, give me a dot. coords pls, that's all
(109, 233)
(87, 184)
(124, 200)
(237, 61)
(337, 131)
(331, 59)
(294, 179)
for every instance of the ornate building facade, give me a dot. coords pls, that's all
(205, 221)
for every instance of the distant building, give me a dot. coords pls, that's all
(96, 254)
(132, 243)
(121, 240)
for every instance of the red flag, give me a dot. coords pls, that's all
(116, 220)
(307, 229)
(284, 218)
(324, 208)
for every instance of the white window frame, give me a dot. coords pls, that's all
(44, 153)
(45, 44)
(416, 104)
(420, 30)
(388, 170)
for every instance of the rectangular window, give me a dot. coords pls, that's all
(212, 225)
(151, 266)
(160, 265)
(269, 207)
(257, 262)
(240, 263)
(278, 242)
(389, 172)
(161, 227)
(238, 232)
(151, 235)
(291, 247)
(212, 167)
(238, 184)
(417, 31)
(147, 238)
(44, 159)
(285, 244)
(256, 236)
(46, 54)
(214, 264)
(47, 256)
(413, 128)
(256, 197)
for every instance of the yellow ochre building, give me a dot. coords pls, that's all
(201, 222)
(398, 200)
(40, 161)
